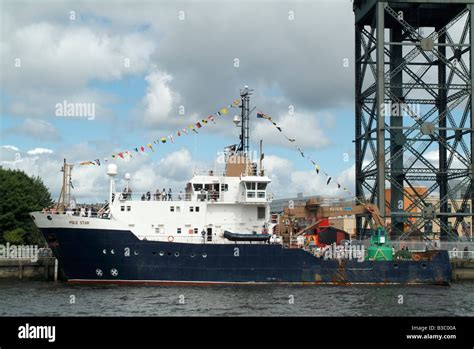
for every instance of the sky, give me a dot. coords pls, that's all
(152, 68)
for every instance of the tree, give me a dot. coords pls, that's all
(20, 195)
(15, 237)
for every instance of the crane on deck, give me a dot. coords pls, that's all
(320, 214)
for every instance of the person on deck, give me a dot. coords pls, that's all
(455, 252)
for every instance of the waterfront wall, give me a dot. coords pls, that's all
(45, 268)
(463, 269)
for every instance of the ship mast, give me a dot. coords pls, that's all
(245, 94)
(65, 195)
(238, 161)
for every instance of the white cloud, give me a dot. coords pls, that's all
(305, 128)
(42, 104)
(71, 56)
(286, 181)
(36, 128)
(159, 100)
(10, 147)
(310, 183)
(433, 157)
(177, 165)
(91, 183)
(39, 151)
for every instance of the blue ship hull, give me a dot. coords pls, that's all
(113, 256)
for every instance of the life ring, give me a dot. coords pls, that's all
(170, 238)
(416, 257)
(264, 231)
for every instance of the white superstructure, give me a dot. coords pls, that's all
(210, 205)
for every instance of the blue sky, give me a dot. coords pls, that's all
(175, 63)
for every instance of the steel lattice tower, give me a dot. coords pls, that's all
(414, 113)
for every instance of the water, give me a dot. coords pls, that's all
(29, 298)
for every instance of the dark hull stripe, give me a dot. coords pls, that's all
(80, 252)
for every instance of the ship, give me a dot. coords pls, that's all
(220, 230)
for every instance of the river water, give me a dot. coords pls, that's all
(28, 298)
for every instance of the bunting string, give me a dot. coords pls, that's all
(128, 154)
(315, 165)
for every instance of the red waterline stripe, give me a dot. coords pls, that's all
(211, 283)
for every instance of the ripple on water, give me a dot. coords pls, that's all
(54, 299)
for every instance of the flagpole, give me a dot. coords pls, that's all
(195, 154)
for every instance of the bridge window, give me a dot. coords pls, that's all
(128, 208)
(197, 187)
(197, 209)
(255, 190)
(178, 230)
(122, 208)
(171, 208)
(191, 208)
(250, 185)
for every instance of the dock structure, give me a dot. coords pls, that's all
(414, 113)
(45, 268)
(463, 267)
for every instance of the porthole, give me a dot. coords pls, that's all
(162, 253)
(176, 254)
(204, 255)
(136, 253)
(395, 265)
(169, 253)
(104, 251)
(423, 265)
(113, 272)
(99, 272)
(112, 251)
(193, 255)
(49, 217)
(153, 252)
